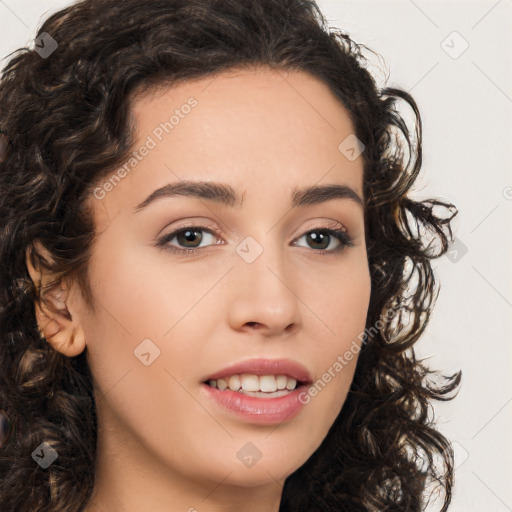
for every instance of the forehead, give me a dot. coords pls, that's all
(249, 100)
(263, 131)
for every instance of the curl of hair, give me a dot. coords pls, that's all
(68, 125)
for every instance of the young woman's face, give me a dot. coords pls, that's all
(250, 280)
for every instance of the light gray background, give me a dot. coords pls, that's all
(466, 104)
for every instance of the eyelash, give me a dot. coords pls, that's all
(341, 234)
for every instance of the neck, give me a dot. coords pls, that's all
(130, 478)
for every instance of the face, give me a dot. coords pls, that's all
(255, 283)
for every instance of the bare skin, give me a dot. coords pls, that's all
(163, 444)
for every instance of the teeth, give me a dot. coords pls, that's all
(290, 384)
(222, 384)
(234, 382)
(255, 384)
(268, 383)
(281, 381)
(250, 382)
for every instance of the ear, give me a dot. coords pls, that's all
(55, 308)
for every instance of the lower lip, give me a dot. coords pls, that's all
(258, 410)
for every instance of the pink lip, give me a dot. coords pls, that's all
(266, 367)
(261, 410)
(258, 410)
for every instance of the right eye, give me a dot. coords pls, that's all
(189, 236)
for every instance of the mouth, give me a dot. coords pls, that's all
(262, 378)
(259, 391)
(261, 386)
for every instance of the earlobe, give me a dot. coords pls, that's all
(55, 321)
(56, 324)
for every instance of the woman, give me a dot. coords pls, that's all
(213, 273)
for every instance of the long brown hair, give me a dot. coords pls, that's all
(65, 119)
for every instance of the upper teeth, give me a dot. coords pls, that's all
(249, 382)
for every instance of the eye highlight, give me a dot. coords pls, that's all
(190, 237)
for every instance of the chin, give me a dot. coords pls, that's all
(253, 466)
(258, 475)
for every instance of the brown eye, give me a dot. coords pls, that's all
(321, 239)
(318, 239)
(187, 239)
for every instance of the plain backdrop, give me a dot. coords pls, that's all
(454, 58)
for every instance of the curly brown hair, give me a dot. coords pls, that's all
(65, 120)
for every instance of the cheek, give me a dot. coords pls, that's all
(139, 298)
(136, 302)
(341, 308)
(344, 313)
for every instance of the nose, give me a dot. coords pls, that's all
(262, 295)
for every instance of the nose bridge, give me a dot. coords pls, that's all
(263, 284)
(261, 259)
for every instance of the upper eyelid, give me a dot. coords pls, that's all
(200, 227)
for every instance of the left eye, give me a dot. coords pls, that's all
(323, 238)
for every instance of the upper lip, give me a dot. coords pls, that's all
(286, 367)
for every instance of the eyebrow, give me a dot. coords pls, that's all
(224, 194)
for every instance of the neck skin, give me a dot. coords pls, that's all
(129, 478)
